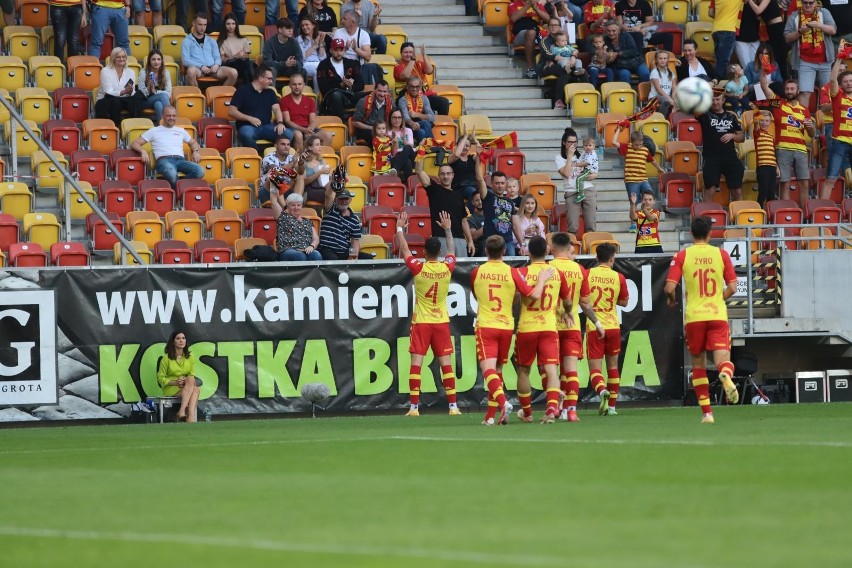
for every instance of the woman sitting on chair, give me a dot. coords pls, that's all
(176, 376)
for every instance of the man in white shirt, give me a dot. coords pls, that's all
(167, 144)
(358, 46)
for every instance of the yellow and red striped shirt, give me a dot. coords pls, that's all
(578, 287)
(606, 287)
(540, 315)
(764, 147)
(841, 105)
(648, 234)
(431, 286)
(705, 270)
(494, 285)
(789, 126)
(634, 162)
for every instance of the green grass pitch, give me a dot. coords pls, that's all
(763, 487)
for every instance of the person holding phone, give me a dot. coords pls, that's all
(117, 92)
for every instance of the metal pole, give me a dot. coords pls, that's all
(15, 117)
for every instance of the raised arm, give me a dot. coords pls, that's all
(421, 175)
(401, 222)
(446, 223)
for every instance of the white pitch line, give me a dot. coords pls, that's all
(284, 546)
(619, 442)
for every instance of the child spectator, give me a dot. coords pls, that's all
(767, 166)
(569, 60)
(635, 175)
(589, 163)
(647, 234)
(383, 146)
(663, 83)
(598, 64)
(736, 89)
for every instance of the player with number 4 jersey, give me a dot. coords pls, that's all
(430, 324)
(495, 285)
(709, 279)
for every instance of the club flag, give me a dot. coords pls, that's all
(509, 140)
(430, 144)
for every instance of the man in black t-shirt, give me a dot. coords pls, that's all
(721, 131)
(442, 197)
(254, 106)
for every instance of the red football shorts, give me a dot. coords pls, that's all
(493, 343)
(434, 335)
(570, 343)
(541, 344)
(609, 344)
(708, 336)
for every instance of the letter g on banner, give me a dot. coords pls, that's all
(23, 349)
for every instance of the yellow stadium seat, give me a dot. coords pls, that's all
(47, 72)
(169, 39)
(334, 125)
(42, 228)
(25, 144)
(21, 41)
(34, 103)
(45, 172)
(255, 40)
(358, 161)
(189, 102)
(213, 165)
(184, 226)
(243, 162)
(453, 94)
(146, 227)
(141, 249)
(218, 99)
(234, 194)
(141, 42)
(583, 100)
(13, 72)
(16, 199)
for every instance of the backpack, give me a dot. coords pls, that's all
(261, 253)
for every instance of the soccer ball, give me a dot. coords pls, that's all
(694, 95)
(757, 399)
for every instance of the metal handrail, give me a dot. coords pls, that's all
(69, 179)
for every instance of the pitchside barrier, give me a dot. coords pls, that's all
(84, 343)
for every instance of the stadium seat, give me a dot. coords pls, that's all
(678, 193)
(745, 212)
(184, 226)
(26, 145)
(156, 195)
(169, 39)
(243, 162)
(717, 215)
(101, 135)
(213, 165)
(46, 174)
(682, 157)
(216, 133)
(127, 165)
(41, 228)
(103, 238)
(374, 245)
(69, 254)
(419, 221)
(141, 42)
(47, 72)
(379, 220)
(686, 128)
(583, 100)
(141, 249)
(416, 193)
(816, 238)
(455, 96)
(27, 255)
(195, 195)
(606, 124)
(218, 100)
(212, 251)
(84, 72)
(169, 251)
(71, 103)
(132, 128)
(189, 102)
(334, 125)
(13, 73)
(619, 97)
(8, 231)
(255, 37)
(78, 208)
(34, 13)
(246, 243)
(255, 13)
(117, 196)
(675, 11)
(478, 123)
(837, 190)
(592, 239)
(540, 186)
(90, 166)
(16, 199)
(657, 128)
(21, 41)
(495, 13)
(389, 191)
(359, 188)
(62, 135)
(444, 129)
(260, 224)
(358, 161)
(510, 161)
(145, 226)
(225, 225)
(822, 211)
(234, 194)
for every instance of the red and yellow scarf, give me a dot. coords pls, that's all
(370, 100)
(415, 104)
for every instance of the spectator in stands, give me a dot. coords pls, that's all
(200, 55)
(312, 43)
(410, 66)
(564, 9)
(566, 166)
(296, 237)
(375, 106)
(275, 169)
(282, 52)
(323, 17)
(443, 198)
(754, 68)
(841, 146)
(167, 142)
(358, 46)
(498, 207)
(416, 110)
(648, 220)
(588, 162)
(596, 14)
(117, 92)
(663, 83)
(526, 223)
(155, 7)
(767, 164)
(809, 30)
(826, 106)
(182, 9)
(253, 106)
(238, 11)
(176, 376)
(235, 50)
(690, 65)
(636, 17)
(720, 132)
(475, 222)
(155, 84)
(566, 54)
(625, 56)
(842, 14)
(464, 161)
(748, 32)
(600, 61)
(737, 90)
(402, 153)
(66, 17)
(550, 64)
(340, 228)
(299, 113)
(382, 145)
(112, 15)
(368, 18)
(636, 155)
(526, 18)
(317, 171)
(339, 81)
(726, 20)
(273, 9)
(8, 7)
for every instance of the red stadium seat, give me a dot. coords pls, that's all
(72, 103)
(127, 165)
(678, 192)
(380, 220)
(822, 211)
(69, 254)
(27, 255)
(101, 235)
(510, 161)
(260, 223)
(195, 195)
(213, 251)
(9, 231)
(170, 251)
(216, 133)
(61, 135)
(156, 195)
(716, 213)
(90, 166)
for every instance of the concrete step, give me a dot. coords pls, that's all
(453, 51)
(426, 11)
(403, 18)
(466, 63)
(495, 83)
(493, 93)
(456, 29)
(527, 106)
(473, 39)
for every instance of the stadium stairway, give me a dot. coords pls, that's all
(478, 62)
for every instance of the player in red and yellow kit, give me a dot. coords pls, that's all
(608, 289)
(709, 280)
(537, 337)
(494, 285)
(430, 324)
(570, 335)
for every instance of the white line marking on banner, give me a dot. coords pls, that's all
(284, 546)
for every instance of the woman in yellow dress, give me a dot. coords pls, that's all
(176, 376)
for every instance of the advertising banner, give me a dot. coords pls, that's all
(260, 331)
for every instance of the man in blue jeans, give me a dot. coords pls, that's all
(167, 143)
(111, 15)
(273, 8)
(726, 22)
(253, 106)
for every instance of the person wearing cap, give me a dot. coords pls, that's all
(721, 131)
(339, 81)
(340, 229)
(410, 66)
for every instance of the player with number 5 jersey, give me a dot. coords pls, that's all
(608, 290)
(430, 324)
(495, 285)
(709, 279)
